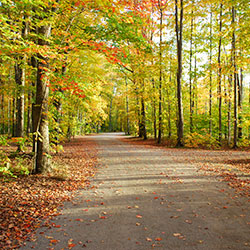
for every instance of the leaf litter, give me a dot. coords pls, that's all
(29, 202)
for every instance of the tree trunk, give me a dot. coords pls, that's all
(143, 119)
(160, 80)
(219, 78)
(235, 145)
(29, 112)
(169, 111)
(110, 114)
(229, 111)
(154, 111)
(127, 107)
(14, 115)
(9, 117)
(41, 128)
(58, 106)
(240, 98)
(179, 28)
(210, 73)
(20, 81)
(190, 75)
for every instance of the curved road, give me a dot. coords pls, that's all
(145, 198)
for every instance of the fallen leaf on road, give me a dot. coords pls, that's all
(71, 245)
(148, 239)
(81, 220)
(176, 234)
(138, 216)
(158, 239)
(103, 217)
(54, 241)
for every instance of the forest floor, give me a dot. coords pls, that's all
(27, 202)
(146, 197)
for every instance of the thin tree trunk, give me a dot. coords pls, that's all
(229, 111)
(210, 73)
(219, 78)
(169, 112)
(29, 112)
(154, 111)
(20, 81)
(143, 118)
(127, 107)
(14, 115)
(235, 144)
(9, 117)
(190, 76)
(240, 98)
(179, 28)
(58, 106)
(110, 115)
(160, 80)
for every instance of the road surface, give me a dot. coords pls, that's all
(145, 198)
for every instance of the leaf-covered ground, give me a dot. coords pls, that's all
(29, 200)
(232, 166)
(146, 197)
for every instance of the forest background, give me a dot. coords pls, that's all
(176, 71)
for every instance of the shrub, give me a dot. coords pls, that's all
(4, 140)
(196, 140)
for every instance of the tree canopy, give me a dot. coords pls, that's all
(171, 70)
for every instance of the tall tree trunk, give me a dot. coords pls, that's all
(169, 112)
(14, 115)
(9, 117)
(229, 110)
(210, 72)
(20, 81)
(29, 112)
(154, 111)
(220, 77)
(143, 118)
(235, 144)
(160, 79)
(240, 98)
(190, 75)
(179, 28)
(110, 114)
(42, 163)
(58, 106)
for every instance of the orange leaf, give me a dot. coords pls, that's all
(103, 217)
(158, 239)
(71, 245)
(54, 241)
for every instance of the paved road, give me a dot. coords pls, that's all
(145, 198)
